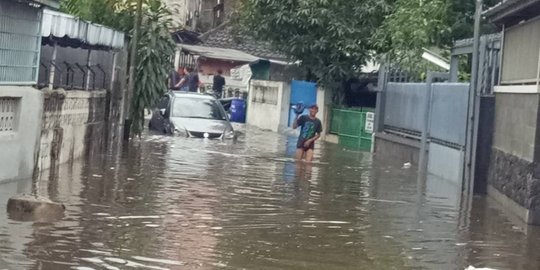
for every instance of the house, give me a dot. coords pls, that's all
(514, 175)
(199, 15)
(220, 49)
(279, 66)
(20, 103)
(59, 83)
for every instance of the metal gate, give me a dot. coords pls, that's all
(354, 127)
(434, 114)
(301, 92)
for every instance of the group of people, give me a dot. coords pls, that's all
(187, 79)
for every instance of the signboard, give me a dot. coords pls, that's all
(370, 122)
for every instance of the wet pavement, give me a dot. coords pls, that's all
(173, 203)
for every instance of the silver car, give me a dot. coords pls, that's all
(189, 114)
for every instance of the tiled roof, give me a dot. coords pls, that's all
(223, 37)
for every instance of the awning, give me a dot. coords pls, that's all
(219, 53)
(61, 26)
(513, 11)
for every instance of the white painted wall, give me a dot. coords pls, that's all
(18, 147)
(272, 117)
(72, 121)
(324, 101)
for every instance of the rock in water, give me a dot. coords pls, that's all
(37, 209)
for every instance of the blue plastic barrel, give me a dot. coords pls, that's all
(238, 111)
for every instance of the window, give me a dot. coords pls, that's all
(197, 108)
(8, 114)
(20, 43)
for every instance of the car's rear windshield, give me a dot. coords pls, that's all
(188, 107)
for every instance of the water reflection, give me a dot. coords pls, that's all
(170, 203)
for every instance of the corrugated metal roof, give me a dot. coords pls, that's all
(61, 25)
(219, 53)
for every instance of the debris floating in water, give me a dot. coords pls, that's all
(407, 165)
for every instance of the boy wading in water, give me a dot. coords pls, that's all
(310, 131)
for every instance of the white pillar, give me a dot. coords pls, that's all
(52, 71)
(113, 71)
(88, 73)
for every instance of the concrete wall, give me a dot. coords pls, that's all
(266, 109)
(514, 171)
(396, 149)
(19, 131)
(73, 125)
(516, 118)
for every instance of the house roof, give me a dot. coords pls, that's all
(513, 11)
(219, 53)
(223, 37)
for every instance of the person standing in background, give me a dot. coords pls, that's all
(174, 79)
(219, 82)
(190, 82)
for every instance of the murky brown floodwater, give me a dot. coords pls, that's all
(171, 203)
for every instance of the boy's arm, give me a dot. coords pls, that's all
(180, 82)
(296, 123)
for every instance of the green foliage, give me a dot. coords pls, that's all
(117, 14)
(415, 24)
(155, 46)
(153, 62)
(331, 38)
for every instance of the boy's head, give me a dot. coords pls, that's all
(188, 70)
(219, 71)
(313, 110)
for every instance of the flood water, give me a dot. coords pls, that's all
(172, 203)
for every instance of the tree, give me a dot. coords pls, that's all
(153, 62)
(331, 38)
(412, 25)
(155, 47)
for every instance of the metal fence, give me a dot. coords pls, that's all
(448, 116)
(19, 43)
(405, 111)
(72, 70)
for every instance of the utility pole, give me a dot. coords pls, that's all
(472, 122)
(132, 66)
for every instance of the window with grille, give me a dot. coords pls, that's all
(521, 53)
(9, 108)
(20, 42)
